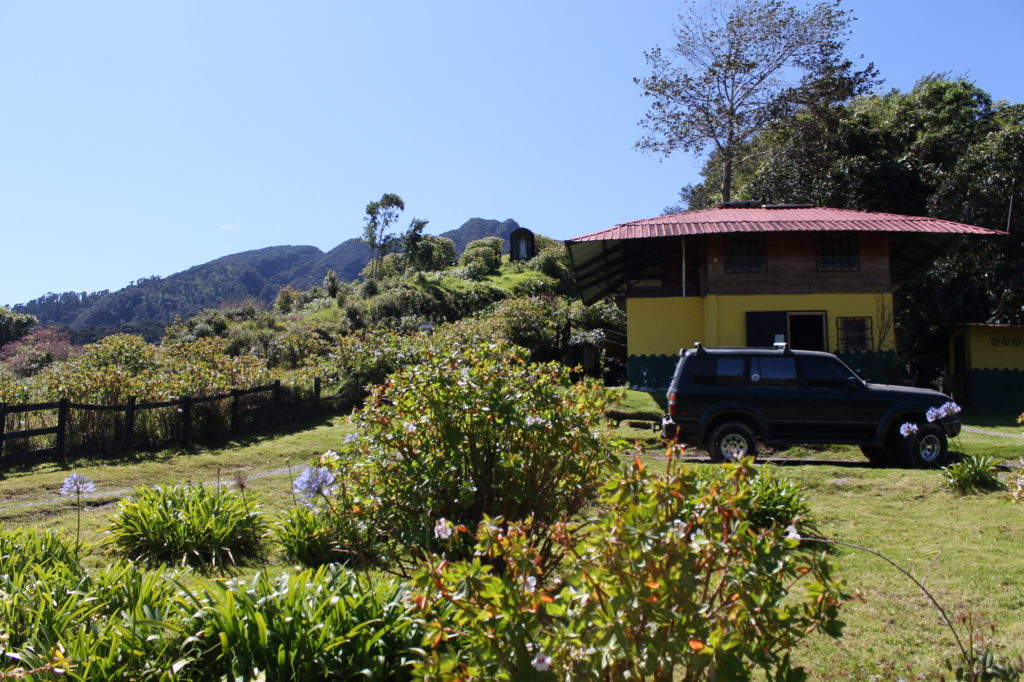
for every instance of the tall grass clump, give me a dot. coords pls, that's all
(972, 473)
(192, 525)
(319, 624)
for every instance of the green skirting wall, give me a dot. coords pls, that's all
(998, 390)
(650, 372)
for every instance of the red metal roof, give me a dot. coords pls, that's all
(782, 219)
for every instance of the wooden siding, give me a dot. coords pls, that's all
(792, 268)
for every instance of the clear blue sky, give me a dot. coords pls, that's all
(141, 138)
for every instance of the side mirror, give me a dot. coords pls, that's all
(853, 384)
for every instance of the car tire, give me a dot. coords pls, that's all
(928, 448)
(732, 441)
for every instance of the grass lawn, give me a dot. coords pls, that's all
(966, 549)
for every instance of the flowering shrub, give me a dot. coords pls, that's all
(474, 431)
(332, 524)
(670, 582)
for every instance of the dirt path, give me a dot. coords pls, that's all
(993, 433)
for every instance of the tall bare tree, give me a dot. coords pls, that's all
(737, 67)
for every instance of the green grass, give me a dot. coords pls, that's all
(967, 549)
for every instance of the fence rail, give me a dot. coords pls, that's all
(249, 409)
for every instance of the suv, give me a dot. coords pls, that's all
(727, 399)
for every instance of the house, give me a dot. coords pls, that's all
(986, 363)
(745, 274)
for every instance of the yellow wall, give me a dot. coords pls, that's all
(661, 326)
(995, 347)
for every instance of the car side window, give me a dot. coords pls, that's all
(770, 371)
(720, 371)
(824, 373)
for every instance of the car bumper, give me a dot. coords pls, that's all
(952, 427)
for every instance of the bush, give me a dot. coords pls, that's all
(475, 431)
(671, 581)
(192, 525)
(314, 625)
(332, 525)
(973, 472)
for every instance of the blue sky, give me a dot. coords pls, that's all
(141, 138)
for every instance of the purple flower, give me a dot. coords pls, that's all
(76, 484)
(933, 414)
(313, 482)
(908, 429)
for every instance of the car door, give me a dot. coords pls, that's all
(837, 404)
(773, 389)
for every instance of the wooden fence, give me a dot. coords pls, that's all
(249, 410)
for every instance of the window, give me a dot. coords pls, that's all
(838, 252)
(721, 371)
(824, 373)
(854, 333)
(770, 371)
(745, 253)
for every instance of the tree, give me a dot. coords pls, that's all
(414, 248)
(14, 325)
(380, 215)
(731, 74)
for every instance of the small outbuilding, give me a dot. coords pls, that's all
(986, 363)
(522, 245)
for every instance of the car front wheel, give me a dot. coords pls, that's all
(731, 442)
(928, 448)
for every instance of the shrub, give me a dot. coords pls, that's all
(671, 581)
(475, 431)
(973, 472)
(486, 253)
(192, 525)
(332, 525)
(313, 625)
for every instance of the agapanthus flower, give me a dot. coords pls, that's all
(908, 429)
(76, 484)
(933, 414)
(950, 409)
(313, 482)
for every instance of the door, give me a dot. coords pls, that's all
(807, 331)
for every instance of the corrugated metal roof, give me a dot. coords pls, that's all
(781, 219)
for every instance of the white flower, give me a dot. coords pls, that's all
(409, 427)
(909, 429)
(531, 420)
(933, 414)
(792, 533)
(531, 584)
(949, 409)
(351, 437)
(541, 663)
(443, 529)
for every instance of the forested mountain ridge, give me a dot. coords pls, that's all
(257, 274)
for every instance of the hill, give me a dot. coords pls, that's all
(257, 274)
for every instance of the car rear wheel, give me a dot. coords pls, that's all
(928, 448)
(731, 442)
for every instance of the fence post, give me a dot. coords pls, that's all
(275, 401)
(235, 425)
(3, 426)
(316, 395)
(129, 424)
(62, 428)
(186, 419)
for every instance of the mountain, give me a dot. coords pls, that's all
(258, 274)
(478, 228)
